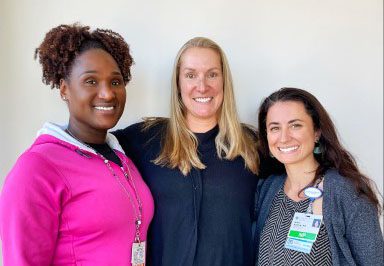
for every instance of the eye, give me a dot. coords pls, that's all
(190, 75)
(296, 126)
(90, 81)
(116, 82)
(213, 75)
(274, 129)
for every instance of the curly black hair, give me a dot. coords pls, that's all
(64, 43)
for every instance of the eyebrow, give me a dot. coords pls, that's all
(272, 123)
(289, 122)
(192, 69)
(114, 73)
(295, 120)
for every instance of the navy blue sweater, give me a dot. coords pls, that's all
(203, 218)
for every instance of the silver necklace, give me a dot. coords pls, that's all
(127, 174)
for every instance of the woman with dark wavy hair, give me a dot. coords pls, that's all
(74, 198)
(321, 183)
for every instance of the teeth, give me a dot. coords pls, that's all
(203, 100)
(104, 108)
(288, 149)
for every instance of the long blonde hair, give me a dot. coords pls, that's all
(179, 144)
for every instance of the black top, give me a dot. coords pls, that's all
(275, 231)
(203, 218)
(107, 152)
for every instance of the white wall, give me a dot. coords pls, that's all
(333, 48)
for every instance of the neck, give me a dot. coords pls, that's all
(201, 126)
(298, 177)
(87, 136)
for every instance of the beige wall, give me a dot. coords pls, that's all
(334, 48)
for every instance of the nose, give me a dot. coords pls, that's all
(202, 85)
(284, 136)
(106, 92)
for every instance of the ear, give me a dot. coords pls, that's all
(317, 135)
(63, 89)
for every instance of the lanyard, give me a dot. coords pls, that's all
(138, 211)
(305, 226)
(313, 193)
(127, 174)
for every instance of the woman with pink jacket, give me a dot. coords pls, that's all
(74, 198)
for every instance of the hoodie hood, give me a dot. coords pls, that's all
(58, 131)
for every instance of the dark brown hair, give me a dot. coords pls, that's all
(333, 154)
(64, 43)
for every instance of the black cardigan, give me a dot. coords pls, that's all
(204, 218)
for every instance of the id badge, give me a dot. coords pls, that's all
(138, 254)
(303, 232)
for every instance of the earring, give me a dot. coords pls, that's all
(64, 98)
(317, 149)
(271, 155)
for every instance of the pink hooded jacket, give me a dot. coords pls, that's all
(61, 205)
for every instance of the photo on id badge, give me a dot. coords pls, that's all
(316, 223)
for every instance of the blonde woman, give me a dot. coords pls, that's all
(200, 165)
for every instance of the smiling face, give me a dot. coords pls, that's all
(95, 93)
(291, 134)
(201, 87)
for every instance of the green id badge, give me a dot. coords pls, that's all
(303, 232)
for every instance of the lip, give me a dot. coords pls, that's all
(203, 99)
(288, 149)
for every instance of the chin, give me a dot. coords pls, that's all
(105, 126)
(286, 160)
(206, 115)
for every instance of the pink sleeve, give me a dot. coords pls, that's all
(29, 212)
